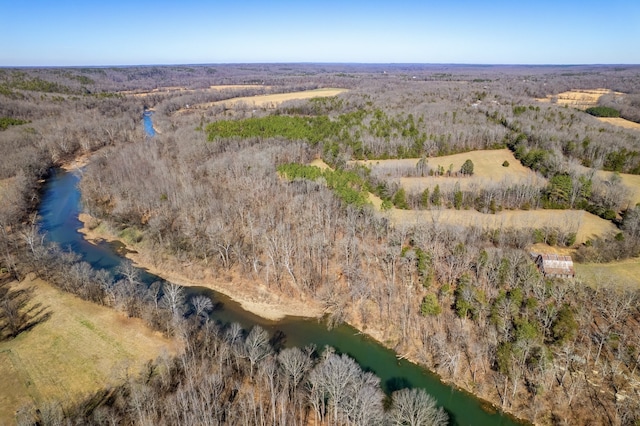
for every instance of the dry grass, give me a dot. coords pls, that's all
(183, 90)
(584, 224)
(580, 99)
(629, 181)
(269, 101)
(620, 122)
(623, 275)
(318, 162)
(583, 99)
(488, 170)
(80, 349)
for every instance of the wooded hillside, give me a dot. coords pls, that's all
(229, 189)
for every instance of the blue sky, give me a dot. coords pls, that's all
(118, 32)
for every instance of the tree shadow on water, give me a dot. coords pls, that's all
(396, 383)
(278, 340)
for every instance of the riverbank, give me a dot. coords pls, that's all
(252, 295)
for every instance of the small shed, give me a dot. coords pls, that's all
(555, 266)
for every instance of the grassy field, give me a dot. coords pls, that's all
(487, 171)
(623, 275)
(617, 121)
(584, 224)
(632, 182)
(80, 349)
(581, 99)
(184, 90)
(271, 101)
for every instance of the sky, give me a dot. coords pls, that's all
(130, 32)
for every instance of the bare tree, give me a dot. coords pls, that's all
(415, 407)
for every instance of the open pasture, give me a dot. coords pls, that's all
(580, 99)
(584, 224)
(488, 171)
(81, 348)
(623, 275)
(273, 100)
(617, 121)
(583, 99)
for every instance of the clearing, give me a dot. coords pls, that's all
(584, 224)
(272, 100)
(623, 275)
(617, 121)
(80, 349)
(183, 90)
(583, 99)
(487, 171)
(580, 99)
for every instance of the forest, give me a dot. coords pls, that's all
(236, 190)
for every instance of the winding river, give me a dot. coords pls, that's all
(59, 211)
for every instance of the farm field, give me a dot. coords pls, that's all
(581, 99)
(584, 224)
(272, 100)
(617, 121)
(632, 182)
(80, 349)
(488, 170)
(622, 275)
(184, 90)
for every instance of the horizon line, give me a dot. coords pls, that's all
(460, 64)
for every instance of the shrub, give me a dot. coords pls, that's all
(467, 168)
(602, 111)
(505, 163)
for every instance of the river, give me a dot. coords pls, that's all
(59, 211)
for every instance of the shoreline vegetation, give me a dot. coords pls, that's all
(270, 307)
(265, 304)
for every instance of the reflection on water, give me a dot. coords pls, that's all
(59, 211)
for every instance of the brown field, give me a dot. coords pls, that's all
(581, 99)
(623, 275)
(273, 100)
(80, 349)
(183, 90)
(620, 122)
(487, 164)
(631, 182)
(238, 87)
(584, 224)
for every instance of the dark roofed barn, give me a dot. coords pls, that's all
(555, 266)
